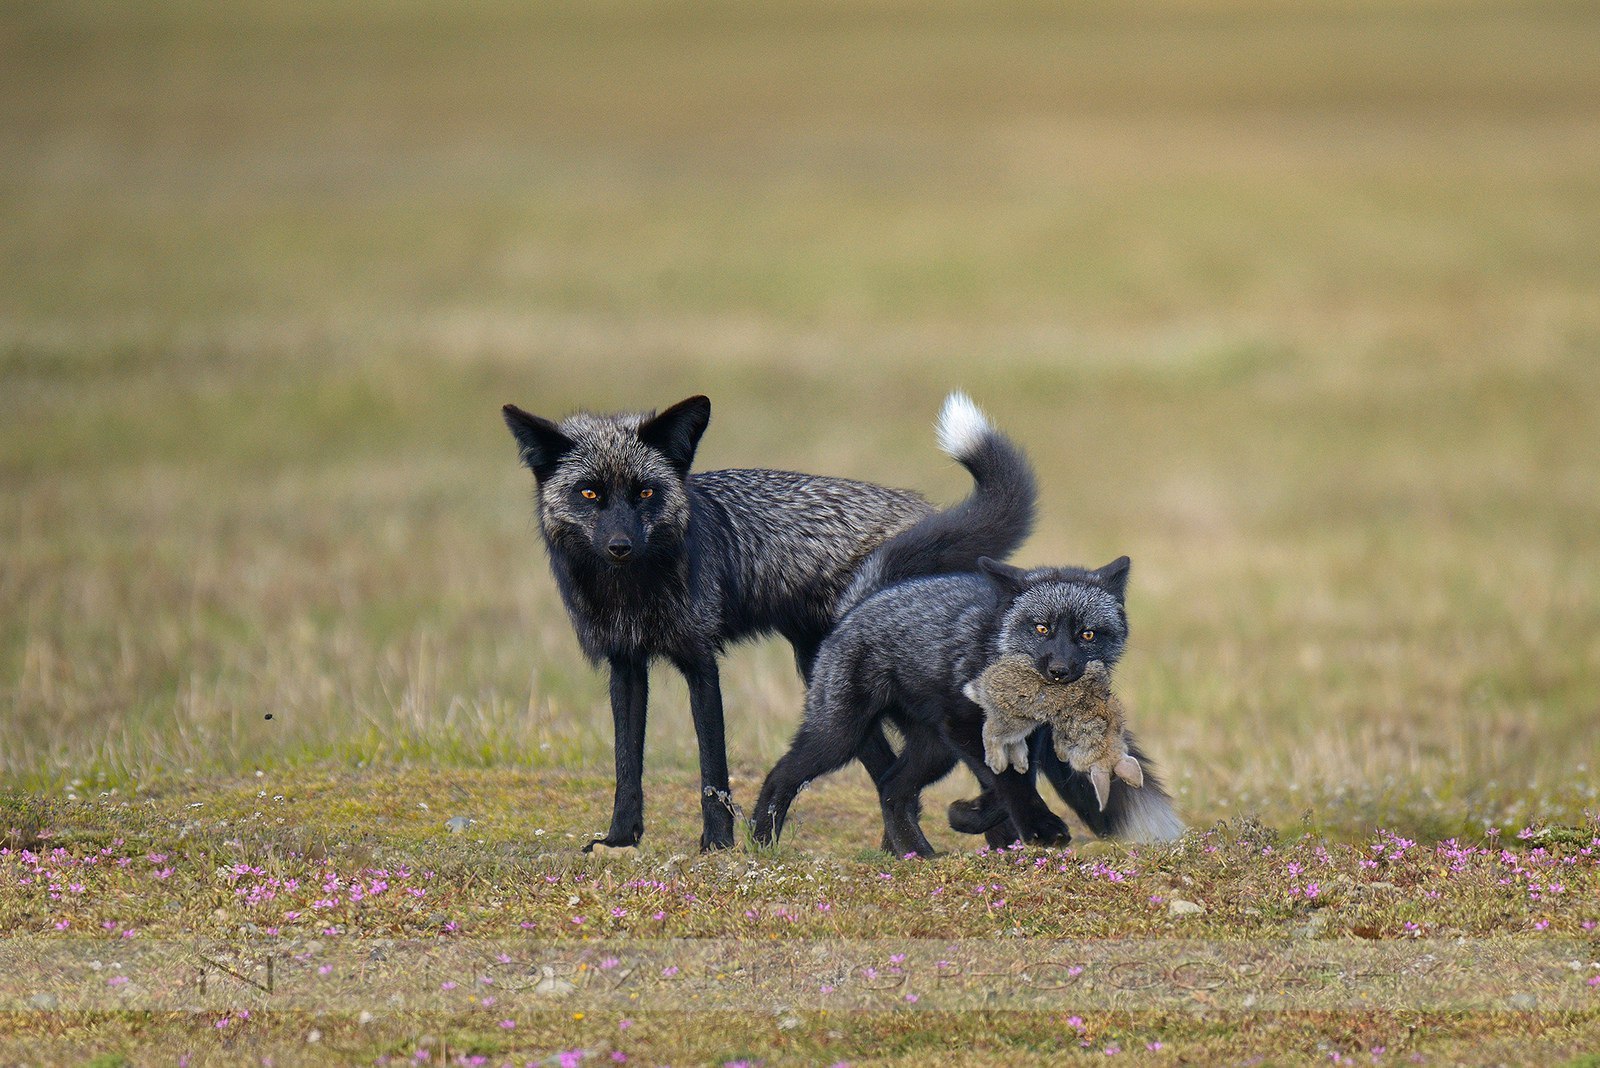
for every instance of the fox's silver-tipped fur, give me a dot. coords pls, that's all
(962, 425)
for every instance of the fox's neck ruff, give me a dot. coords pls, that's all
(637, 607)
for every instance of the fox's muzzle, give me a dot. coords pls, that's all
(618, 534)
(1062, 669)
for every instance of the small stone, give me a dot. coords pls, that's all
(314, 1036)
(365, 1018)
(43, 1001)
(457, 824)
(1523, 1002)
(1312, 927)
(1179, 907)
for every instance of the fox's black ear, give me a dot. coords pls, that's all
(676, 431)
(1011, 579)
(1114, 576)
(542, 444)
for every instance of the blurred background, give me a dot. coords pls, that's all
(1297, 303)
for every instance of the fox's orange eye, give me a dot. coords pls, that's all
(646, 494)
(1042, 628)
(1086, 635)
(590, 495)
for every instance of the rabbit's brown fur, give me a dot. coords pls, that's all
(1086, 720)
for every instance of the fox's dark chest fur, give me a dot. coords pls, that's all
(646, 609)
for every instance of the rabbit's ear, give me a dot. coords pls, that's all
(1129, 771)
(1101, 778)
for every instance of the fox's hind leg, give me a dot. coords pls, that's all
(925, 760)
(814, 753)
(875, 754)
(837, 720)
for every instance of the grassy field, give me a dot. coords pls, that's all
(1296, 304)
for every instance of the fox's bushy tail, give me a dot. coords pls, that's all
(993, 521)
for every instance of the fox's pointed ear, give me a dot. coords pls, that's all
(676, 431)
(541, 442)
(1011, 579)
(1114, 576)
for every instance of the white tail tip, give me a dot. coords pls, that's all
(962, 425)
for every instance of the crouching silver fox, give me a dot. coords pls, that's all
(653, 561)
(905, 650)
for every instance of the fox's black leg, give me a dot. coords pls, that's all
(814, 754)
(986, 814)
(925, 760)
(716, 799)
(829, 737)
(877, 756)
(1075, 789)
(1030, 818)
(975, 815)
(630, 688)
(1139, 814)
(875, 753)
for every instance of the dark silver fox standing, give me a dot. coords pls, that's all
(652, 561)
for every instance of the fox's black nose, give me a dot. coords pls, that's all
(619, 548)
(1061, 671)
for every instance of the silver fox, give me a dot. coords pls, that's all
(653, 561)
(903, 651)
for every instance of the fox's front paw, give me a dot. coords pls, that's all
(1045, 829)
(718, 832)
(1001, 836)
(710, 841)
